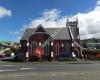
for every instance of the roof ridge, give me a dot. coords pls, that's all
(45, 27)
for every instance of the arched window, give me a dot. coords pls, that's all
(47, 48)
(57, 49)
(67, 48)
(62, 48)
(33, 46)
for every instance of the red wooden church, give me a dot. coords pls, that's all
(50, 43)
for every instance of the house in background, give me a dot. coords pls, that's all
(3, 46)
(50, 43)
(7, 48)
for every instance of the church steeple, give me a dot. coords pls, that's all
(73, 27)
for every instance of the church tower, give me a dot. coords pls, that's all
(74, 32)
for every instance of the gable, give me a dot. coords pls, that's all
(40, 29)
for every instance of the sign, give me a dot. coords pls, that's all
(38, 52)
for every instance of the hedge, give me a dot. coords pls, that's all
(91, 51)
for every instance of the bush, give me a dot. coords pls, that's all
(15, 50)
(7, 53)
(98, 56)
(91, 51)
(92, 54)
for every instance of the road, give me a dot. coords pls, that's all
(49, 71)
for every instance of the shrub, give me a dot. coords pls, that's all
(98, 56)
(15, 50)
(91, 51)
(7, 53)
(92, 54)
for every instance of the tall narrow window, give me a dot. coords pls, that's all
(62, 48)
(67, 48)
(33, 46)
(57, 49)
(47, 48)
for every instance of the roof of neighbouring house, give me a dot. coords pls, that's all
(60, 33)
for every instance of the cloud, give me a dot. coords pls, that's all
(14, 32)
(50, 18)
(4, 12)
(89, 22)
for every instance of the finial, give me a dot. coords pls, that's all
(67, 22)
(76, 20)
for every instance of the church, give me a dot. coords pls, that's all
(52, 44)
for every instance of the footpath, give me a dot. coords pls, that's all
(53, 62)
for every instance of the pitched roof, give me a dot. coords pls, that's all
(60, 33)
(55, 33)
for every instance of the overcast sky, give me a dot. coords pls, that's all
(16, 15)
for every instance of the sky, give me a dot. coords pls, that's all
(16, 15)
